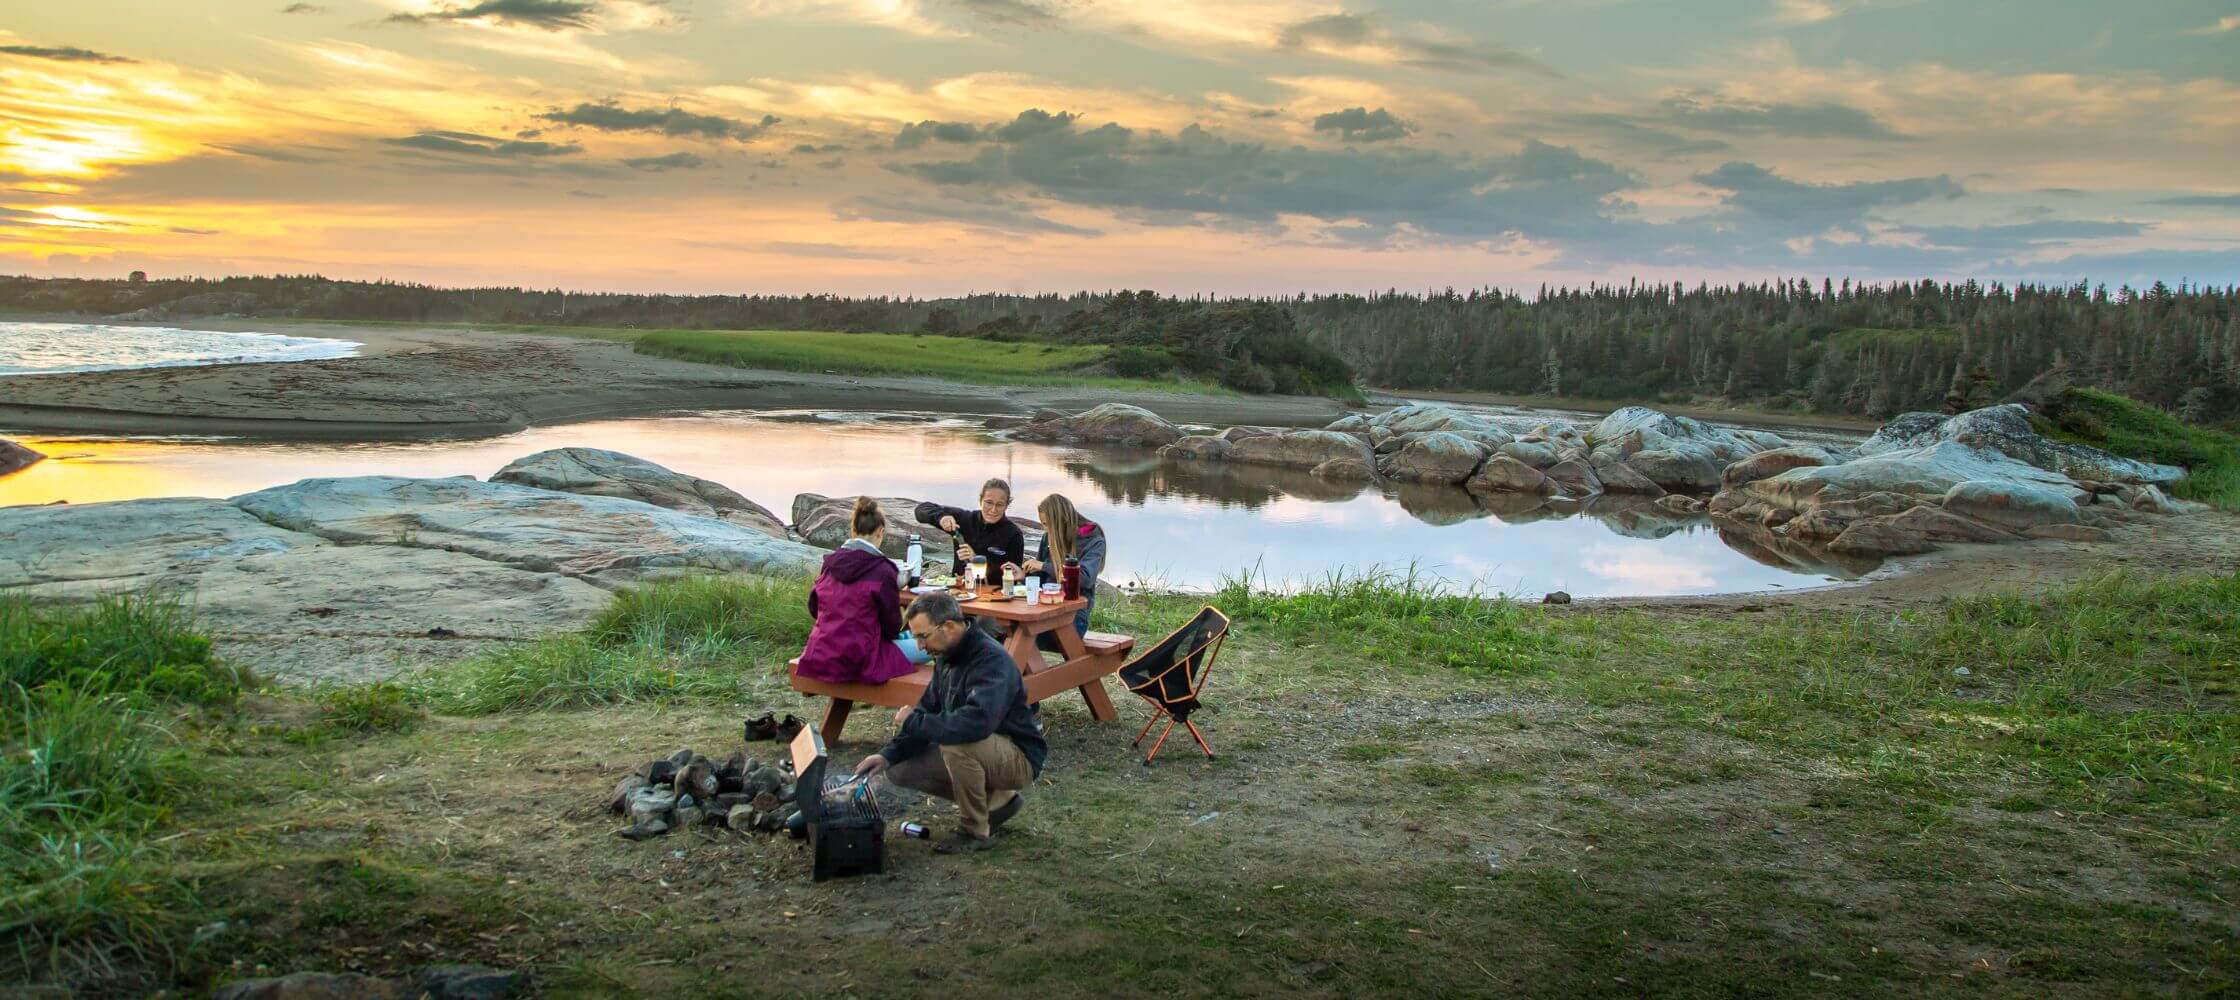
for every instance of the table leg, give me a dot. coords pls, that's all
(1100, 704)
(836, 717)
(1024, 652)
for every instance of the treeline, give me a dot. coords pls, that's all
(1834, 347)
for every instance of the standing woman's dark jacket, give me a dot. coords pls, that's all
(1089, 548)
(1001, 542)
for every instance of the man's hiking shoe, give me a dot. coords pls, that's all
(763, 728)
(961, 842)
(1004, 812)
(788, 728)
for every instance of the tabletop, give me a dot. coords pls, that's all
(1014, 610)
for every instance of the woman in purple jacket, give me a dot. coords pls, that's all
(857, 605)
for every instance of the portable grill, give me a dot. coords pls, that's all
(847, 835)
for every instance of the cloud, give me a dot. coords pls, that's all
(1024, 13)
(1630, 131)
(1033, 122)
(267, 153)
(62, 53)
(470, 144)
(913, 136)
(1711, 113)
(833, 251)
(1358, 37)
(994, 214)
(2024, 236)
(810, 149)
(548, 15)
(612, 117)
(2202, 200)
(1759, 192)
(2223, 25)
(303, 8)
(1199, 177)
(679, 160)
(1363, 125)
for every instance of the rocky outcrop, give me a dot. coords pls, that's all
(290, 603)
(598, 472)
(1925, 480)
(1344, 470)
(824, 522)
(1301, 449)
(604, 539)
(1636, 429)
(2017, 506)
(1434, 457)
(1622, 477)
(1110, 423)
(1767, 464)
(1574, 478)
(1537, 454)
(2006, 430)
(1502, 474)
(1426, 418)
(15, 457)
(1199, 447)
(1688, 470)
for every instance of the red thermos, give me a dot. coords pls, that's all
(1069, 578)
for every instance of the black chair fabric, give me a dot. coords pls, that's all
(1168, 673)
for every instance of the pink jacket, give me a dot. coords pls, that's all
(857, 606)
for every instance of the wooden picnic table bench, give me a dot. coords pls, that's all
(1089, 659)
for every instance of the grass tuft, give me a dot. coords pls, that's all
(672, 640)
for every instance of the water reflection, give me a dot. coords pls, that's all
(1184, 524)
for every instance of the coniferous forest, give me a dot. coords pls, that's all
(1833, 346)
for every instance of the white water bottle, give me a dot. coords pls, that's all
(917, 556)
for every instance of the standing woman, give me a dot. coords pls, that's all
(1067, 536)
(857, 605)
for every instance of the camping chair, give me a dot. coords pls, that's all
(1172, 674)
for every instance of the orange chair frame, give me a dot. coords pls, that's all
(1211, 648)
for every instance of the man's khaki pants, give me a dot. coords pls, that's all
(977, 776)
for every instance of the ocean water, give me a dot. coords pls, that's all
(39, 348)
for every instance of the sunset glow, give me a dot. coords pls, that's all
(924, 147)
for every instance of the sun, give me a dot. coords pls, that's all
(70, 149)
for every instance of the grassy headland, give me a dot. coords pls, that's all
(1419, 791)
(2128, 427)
(957, 359)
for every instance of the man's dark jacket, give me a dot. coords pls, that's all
(975, 693)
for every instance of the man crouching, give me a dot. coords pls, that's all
(972, 738)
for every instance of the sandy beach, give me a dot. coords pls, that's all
(435, 382)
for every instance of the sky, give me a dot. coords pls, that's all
(939, 147)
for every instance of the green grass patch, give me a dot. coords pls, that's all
(2133, 429)
(958, 359)
(119, 643)
(2115, 691)
(91, 696)
(672, 640)
(367, 708)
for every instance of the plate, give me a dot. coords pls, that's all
(927, 590)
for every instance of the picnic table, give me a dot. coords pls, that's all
(1088, 659)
